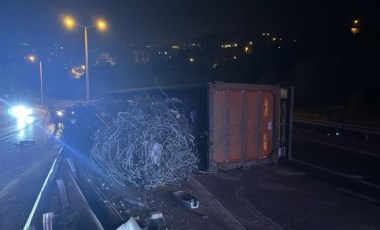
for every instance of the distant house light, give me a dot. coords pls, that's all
(229, 45)
(268, 34)
(24, 44)
(274, 39)
(175, 47)
(191, 59)
(77, 71)
(31, 58)
(356, 27)
(250, 43)
(355, 30)
(234, 57)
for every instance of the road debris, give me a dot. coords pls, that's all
(148, 145)
(131, 224)
(133, 202)
(156, 215)
(186, 199)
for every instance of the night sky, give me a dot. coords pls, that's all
(164, 21)
(327, 65)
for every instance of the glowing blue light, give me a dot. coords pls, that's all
(23, 115)
(20, 112)
(29, 120)
(60, 113)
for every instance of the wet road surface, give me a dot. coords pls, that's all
(25, 158)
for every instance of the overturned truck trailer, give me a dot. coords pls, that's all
(236, 125)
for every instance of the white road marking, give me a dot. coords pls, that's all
(339, 146)
(47, 180)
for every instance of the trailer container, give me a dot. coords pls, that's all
(237, 125)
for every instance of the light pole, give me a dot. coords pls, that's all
(86, 64)
(33, 59)
(101, 25)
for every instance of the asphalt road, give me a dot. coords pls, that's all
(333, 184)
(281, 197)
(344, 158)
(25, 159)
(334, 188)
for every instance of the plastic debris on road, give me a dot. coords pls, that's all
(131, 224)
(186, 199)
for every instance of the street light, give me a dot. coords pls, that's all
(102, 26)
(33, 58)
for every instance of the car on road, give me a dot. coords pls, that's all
(22, 113)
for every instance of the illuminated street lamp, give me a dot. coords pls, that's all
(102, 26)
(33, 58)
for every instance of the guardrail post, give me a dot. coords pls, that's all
(290, 122)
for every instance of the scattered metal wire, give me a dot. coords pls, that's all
(149, 144)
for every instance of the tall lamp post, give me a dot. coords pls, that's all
(33, 58)
(102, 26)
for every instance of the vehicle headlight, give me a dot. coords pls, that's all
(60, 113)
(20, 112)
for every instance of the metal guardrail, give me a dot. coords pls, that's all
(67, 102)
(47, 182)
(341, 126)
(73, 201)
(364, 130)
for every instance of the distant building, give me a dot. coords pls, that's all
(142, 56)
(104, 59)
